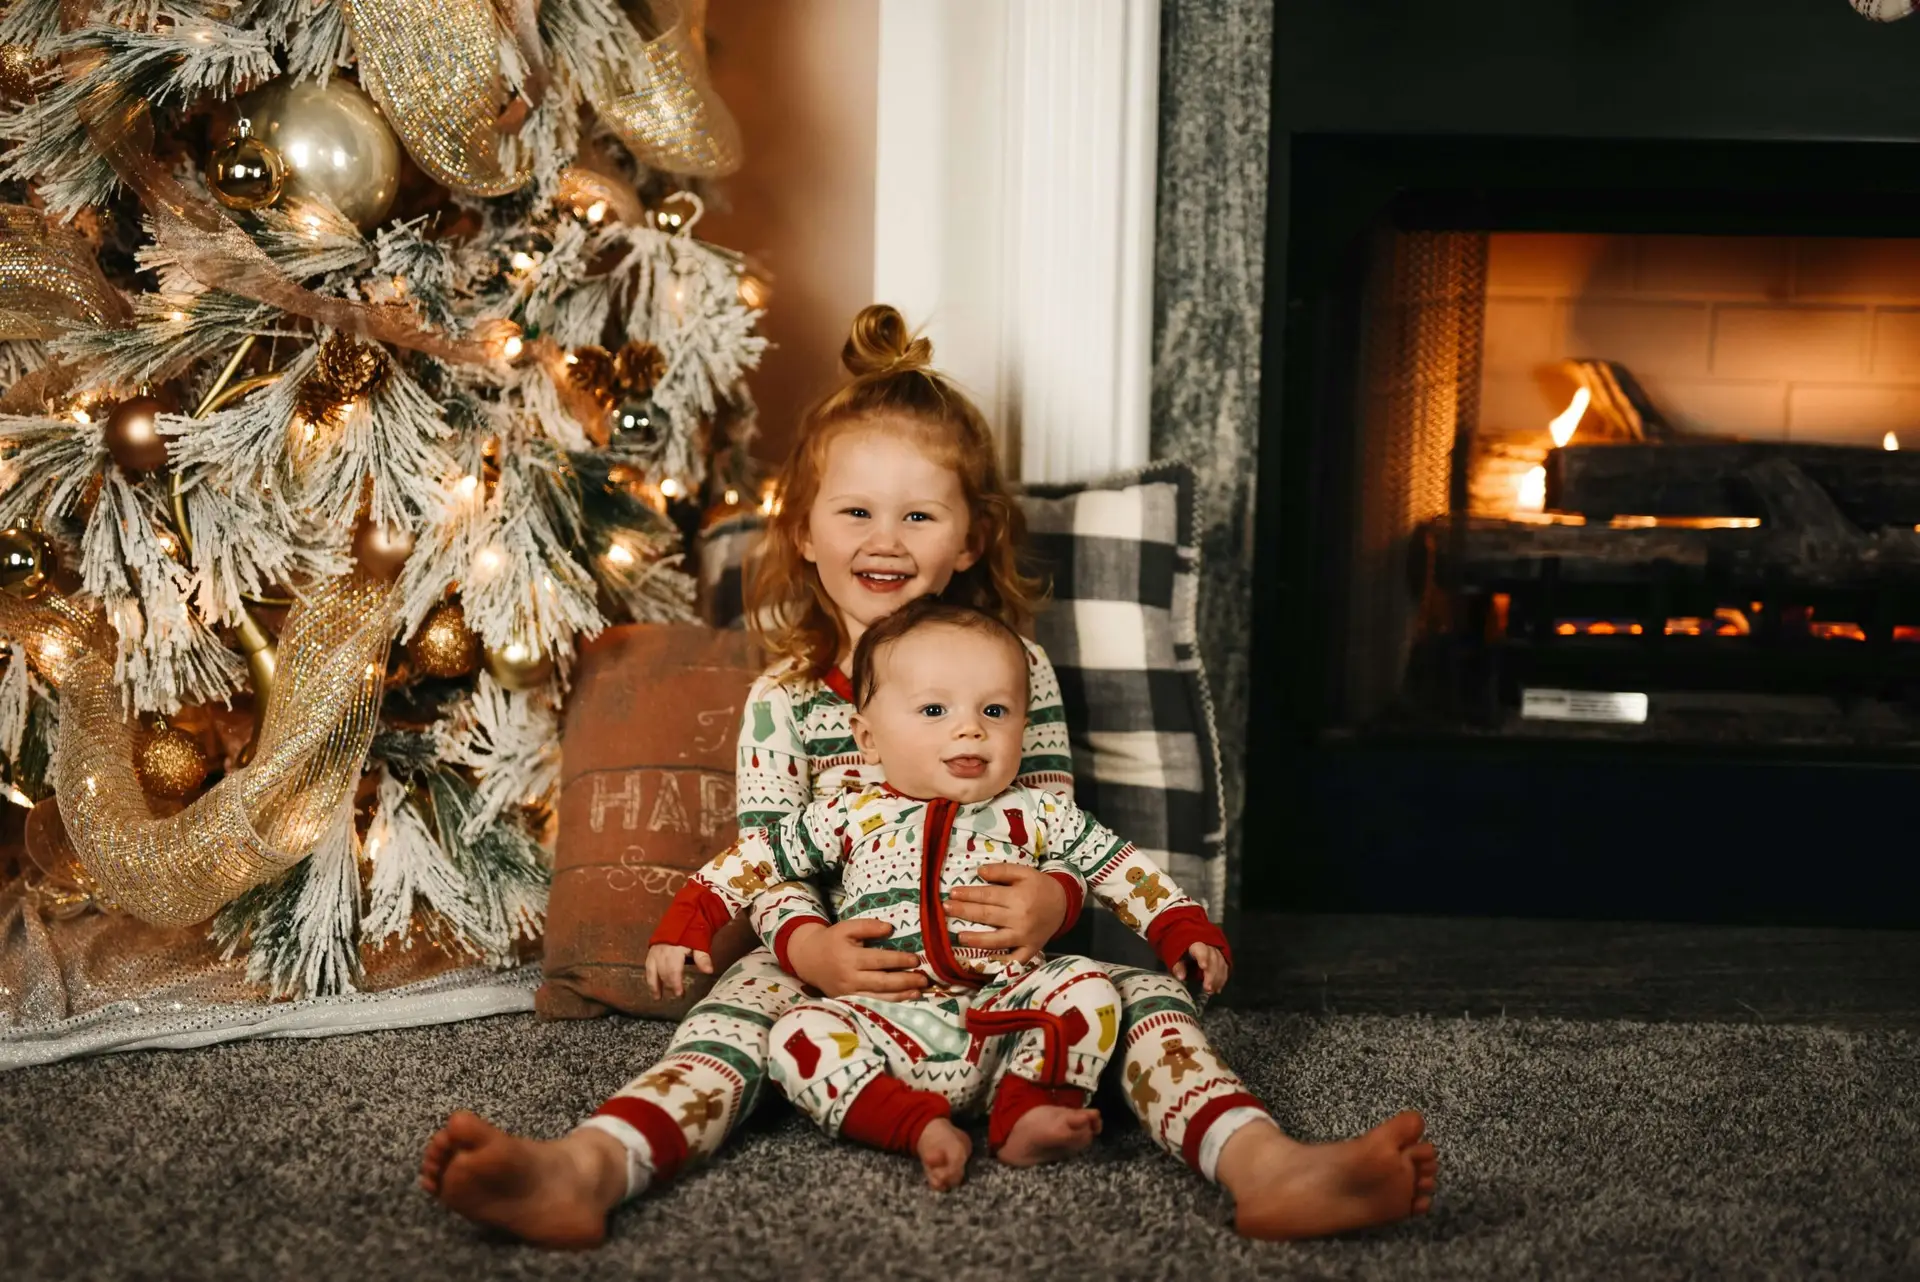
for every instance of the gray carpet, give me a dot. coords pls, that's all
(1570, 1150)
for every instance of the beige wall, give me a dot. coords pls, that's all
(1779, 339)
(801, 77)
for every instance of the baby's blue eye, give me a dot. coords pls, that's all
(934, 710)
(996, 710)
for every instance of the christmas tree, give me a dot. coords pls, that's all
(359, 362)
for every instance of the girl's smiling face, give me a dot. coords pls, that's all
(889, 524)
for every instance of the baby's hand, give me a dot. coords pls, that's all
(667, 968)
(1213, 967)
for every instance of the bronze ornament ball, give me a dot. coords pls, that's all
(333, 141)
(26, 562)
(132, 434)
(381, 550)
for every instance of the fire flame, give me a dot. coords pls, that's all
(1533, 490)
(1568, 419)
(1889, 442)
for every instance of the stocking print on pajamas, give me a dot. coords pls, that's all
(987, 1030)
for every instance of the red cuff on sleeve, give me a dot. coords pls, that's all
(693, 918)
(1178, 929)
(782, 936)
(1076, 900)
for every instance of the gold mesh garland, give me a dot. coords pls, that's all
(49, 279)
(434, 68)
(256, 822)
(674, 122)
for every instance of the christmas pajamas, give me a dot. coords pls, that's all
(795, 744)
(877, 1071)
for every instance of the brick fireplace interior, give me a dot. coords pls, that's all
(1663, 666)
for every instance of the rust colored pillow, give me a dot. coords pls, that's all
(646, 797)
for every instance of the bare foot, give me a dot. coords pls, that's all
(1048, 1134)
(548, 1192)
(1285, 1189)
(944, 1149)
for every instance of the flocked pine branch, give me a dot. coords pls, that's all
(301, 931)
(166, 655)
(411, 874)
(511, 742)
(392, 439)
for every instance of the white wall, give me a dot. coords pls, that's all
(1013, 213)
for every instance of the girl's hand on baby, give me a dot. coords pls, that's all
(1212, 963)
(667, 968)
(836, 960)
(1027, 906)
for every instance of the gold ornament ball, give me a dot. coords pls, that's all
(132, 434)
(519, 666)
(381, 550)
(170, 763)
(445, 646)
(245, 173)
(20, 73)
(26, 562)
(333, 141)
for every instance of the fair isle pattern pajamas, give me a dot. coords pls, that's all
(899, 858)
(799, 746)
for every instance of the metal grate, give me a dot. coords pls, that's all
(1419, 399)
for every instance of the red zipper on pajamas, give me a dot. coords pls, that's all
(935, 936)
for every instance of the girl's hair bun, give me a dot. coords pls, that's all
(881, 342)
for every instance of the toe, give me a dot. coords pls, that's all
(466, 1129)
(1421, 1205)
(1405, 1128)
(1424, 1153)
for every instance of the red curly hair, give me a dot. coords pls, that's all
(893, 382)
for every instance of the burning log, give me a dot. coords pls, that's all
(1871, 487)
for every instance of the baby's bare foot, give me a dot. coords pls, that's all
(1048, 1134)
(944, 1149)
(549, 1192)
(1285, 1189)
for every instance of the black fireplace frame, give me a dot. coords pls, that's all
(1447, 824)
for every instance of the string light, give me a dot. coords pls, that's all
(670, 487)
(619, 555)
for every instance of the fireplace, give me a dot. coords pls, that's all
(1588, 565)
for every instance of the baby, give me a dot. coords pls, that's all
(940, 697)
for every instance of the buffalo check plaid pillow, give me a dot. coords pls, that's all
(1121, 629)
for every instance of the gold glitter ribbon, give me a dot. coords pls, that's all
(215, 251)
(259, 820)
(49, 281)
(674, 122)
(434, 68)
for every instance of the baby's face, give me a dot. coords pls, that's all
(947, 714)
